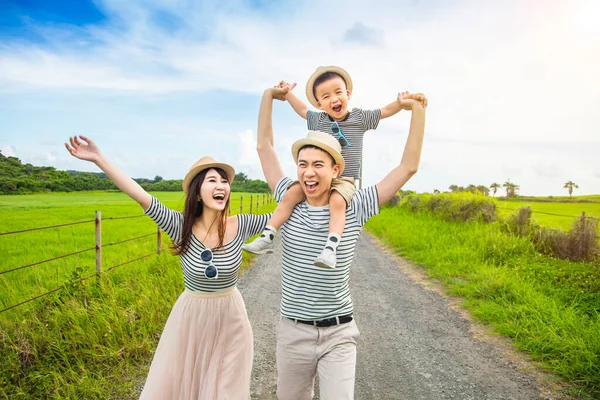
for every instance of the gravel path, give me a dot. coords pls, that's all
(414, 344)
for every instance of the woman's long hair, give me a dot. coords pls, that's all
(193, 209)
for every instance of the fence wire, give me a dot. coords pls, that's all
(254, 203)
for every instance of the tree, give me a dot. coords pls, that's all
(453, 188)
(495, 186)
(240, 177)
(511, 188)
(483, 190)
(569, 186)
(158, 178)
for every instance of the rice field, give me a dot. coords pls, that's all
(555, 214)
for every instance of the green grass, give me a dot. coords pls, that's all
(30, 211)
(85, 341)
(550, 308)
(570, 209)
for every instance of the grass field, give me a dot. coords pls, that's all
(30, 211)
(79, 342)
(571, 210)
(550, 308)
(85, 341)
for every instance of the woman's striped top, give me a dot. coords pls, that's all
(227, 260)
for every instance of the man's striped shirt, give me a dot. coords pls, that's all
(353, 127)
(309, 292)
(227, 260)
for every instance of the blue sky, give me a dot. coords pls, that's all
(513, 85)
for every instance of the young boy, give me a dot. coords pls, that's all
(329, 89)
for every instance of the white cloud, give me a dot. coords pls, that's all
(362, 34)
(7, 151)
(504, 79)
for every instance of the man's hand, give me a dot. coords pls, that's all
(285, 85)
(408, 100)
(277, 92)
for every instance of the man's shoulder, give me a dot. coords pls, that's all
(363, 196)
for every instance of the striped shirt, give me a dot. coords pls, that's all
(353, 127)
(227, 260)
(309, 292)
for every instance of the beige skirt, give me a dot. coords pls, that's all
(205, 351)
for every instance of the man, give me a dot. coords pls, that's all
(317, 333)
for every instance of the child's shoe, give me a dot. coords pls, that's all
(327, 257)
(263, 244)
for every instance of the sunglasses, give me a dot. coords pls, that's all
(337, 132)
(210, 271)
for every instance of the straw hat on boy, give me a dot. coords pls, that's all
(310, 93)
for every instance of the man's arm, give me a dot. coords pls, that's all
(389, 186)
(266, 150)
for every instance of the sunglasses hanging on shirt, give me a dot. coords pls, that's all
(337, 133)
(210, 271)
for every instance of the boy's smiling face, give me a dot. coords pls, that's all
(332, 97)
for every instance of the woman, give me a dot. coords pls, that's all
(206, 348)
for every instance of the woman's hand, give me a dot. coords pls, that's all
(83, 148)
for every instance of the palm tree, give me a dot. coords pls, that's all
(511, 188)
(483, 190)
(495, 186)
(569, 186)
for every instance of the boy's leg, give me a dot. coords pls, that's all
(341, 195)
(296, 360)
(337, 221)
(292, 196)
(264, 243)
(337, 366)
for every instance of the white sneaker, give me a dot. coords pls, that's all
(326, 259)
(260, 245)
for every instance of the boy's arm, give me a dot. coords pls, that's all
(396, 106)
(265, 147)
(390, 109)
(297, 104)
(389, 186)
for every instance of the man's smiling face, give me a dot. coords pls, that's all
(316, 170)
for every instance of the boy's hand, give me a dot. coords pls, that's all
(285, 85)
(407, 100)
(278, 93)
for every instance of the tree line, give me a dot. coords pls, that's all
(19, 178)
(512, 189)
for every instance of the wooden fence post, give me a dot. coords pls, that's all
(250, 204)
(241, 204)
(257, 196)
(98, 245)
(158, 240)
